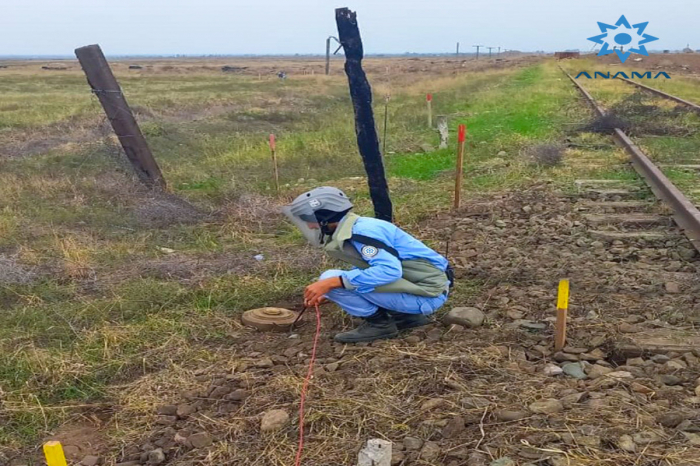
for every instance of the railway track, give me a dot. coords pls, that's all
(665, 95)
(684, 212)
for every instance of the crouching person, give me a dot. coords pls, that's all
(396, 281)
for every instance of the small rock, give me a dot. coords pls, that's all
(626, 443)
(635, 362)
(476, 459)
(597, 341)
(469, 317)
(502, 153)
(634, 319)
(676, 365)
(549, 406)
(620, 375)
(90, 460)
(530, 325)
(274, 420)
(167, 410)
(500, 223)
(332, 367)
(670, 380)
(552, 369)
(220, 392)
(412, 443)
(660, 358)
(505, 461)
(639, 388)
(508, 415)
(672, 288)
(454, 427)
(412, 339)
(264, 363)
(200, 440)
(397, 457)
(629, 328)
(644, 438)
(697, 390)
(569, 400)
(239, 394)
(670, 419)
(185, 410)
(430, 451)
(564, 357)
(166, 420)
(693, 439)
(156, 456)
(575, 370)
(432, 403)
(574, 350)
(597, 370)
(515, 314)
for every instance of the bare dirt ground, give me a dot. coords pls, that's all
(684, 64)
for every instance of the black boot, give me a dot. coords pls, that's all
(405, 321)
(375, 327)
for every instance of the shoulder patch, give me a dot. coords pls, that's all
(369, 251)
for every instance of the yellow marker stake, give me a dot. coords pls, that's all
(54, 454)
(562, 311)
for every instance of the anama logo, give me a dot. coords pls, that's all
(615, 38)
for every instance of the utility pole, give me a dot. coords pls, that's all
(458, 49)
(499, 50)
(328, 53)
(477, 50)
(490, 48)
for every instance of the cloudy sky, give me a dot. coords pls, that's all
(56, 27)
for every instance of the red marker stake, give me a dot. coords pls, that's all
(273, 150)
(461, 138)
(429, 100)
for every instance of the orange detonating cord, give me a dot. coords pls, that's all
(305, 387)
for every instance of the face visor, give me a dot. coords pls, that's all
(301, 219)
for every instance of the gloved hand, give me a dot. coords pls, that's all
(314, 293)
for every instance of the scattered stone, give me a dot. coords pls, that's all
(626, 443)
(156, 456)
(200, 440)
(569, 400)
(220, 392)
(274, 420)
(629, 328)
(660, 358)
(90, 460)
(672, 288)
(597, 370)
(564, 357)
(549, 406)
(670, 419)
(530, 325)
(644, 438)
(185, 410)
(693, 439)
(166, 420)
(634, 319)
(469, 317)
(332, 367)
(397, 457)
(676, 365)
(620, 375)
(508, 415)
(575, 370)
(412, 443)
(476, 459)
(167, 410)
(454, 427)
(505, 461)
(502, 153)
(500, 223)
(239, 394)
(264, 363)
(597, 341)
(515, 314)
(697, 390)
(432, 403)
(670, 380)
(412, 339)
(639, 388)
(430, 451)
(574, 350)
(635, 362)
(553, 369)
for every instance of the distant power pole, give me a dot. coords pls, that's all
(499, 50)
(490, 48)
(328, 53)
(477, 50)
(458, 49)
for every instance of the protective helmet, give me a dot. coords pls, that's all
(322, 205)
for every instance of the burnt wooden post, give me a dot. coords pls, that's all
(105, 86)
(361, 94)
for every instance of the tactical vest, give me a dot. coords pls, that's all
(420, 277)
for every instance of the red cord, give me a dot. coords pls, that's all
(305, 387)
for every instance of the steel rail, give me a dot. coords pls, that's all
(685, 214)
(665, 95)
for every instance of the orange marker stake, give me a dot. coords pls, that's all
(461, 138)
(429, 100)
(53, 451)
(562, 314)
(273, 151)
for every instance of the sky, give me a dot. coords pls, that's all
(201, 27)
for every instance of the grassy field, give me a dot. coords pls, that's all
(106, 287)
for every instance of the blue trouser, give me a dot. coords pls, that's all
(365, 304)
